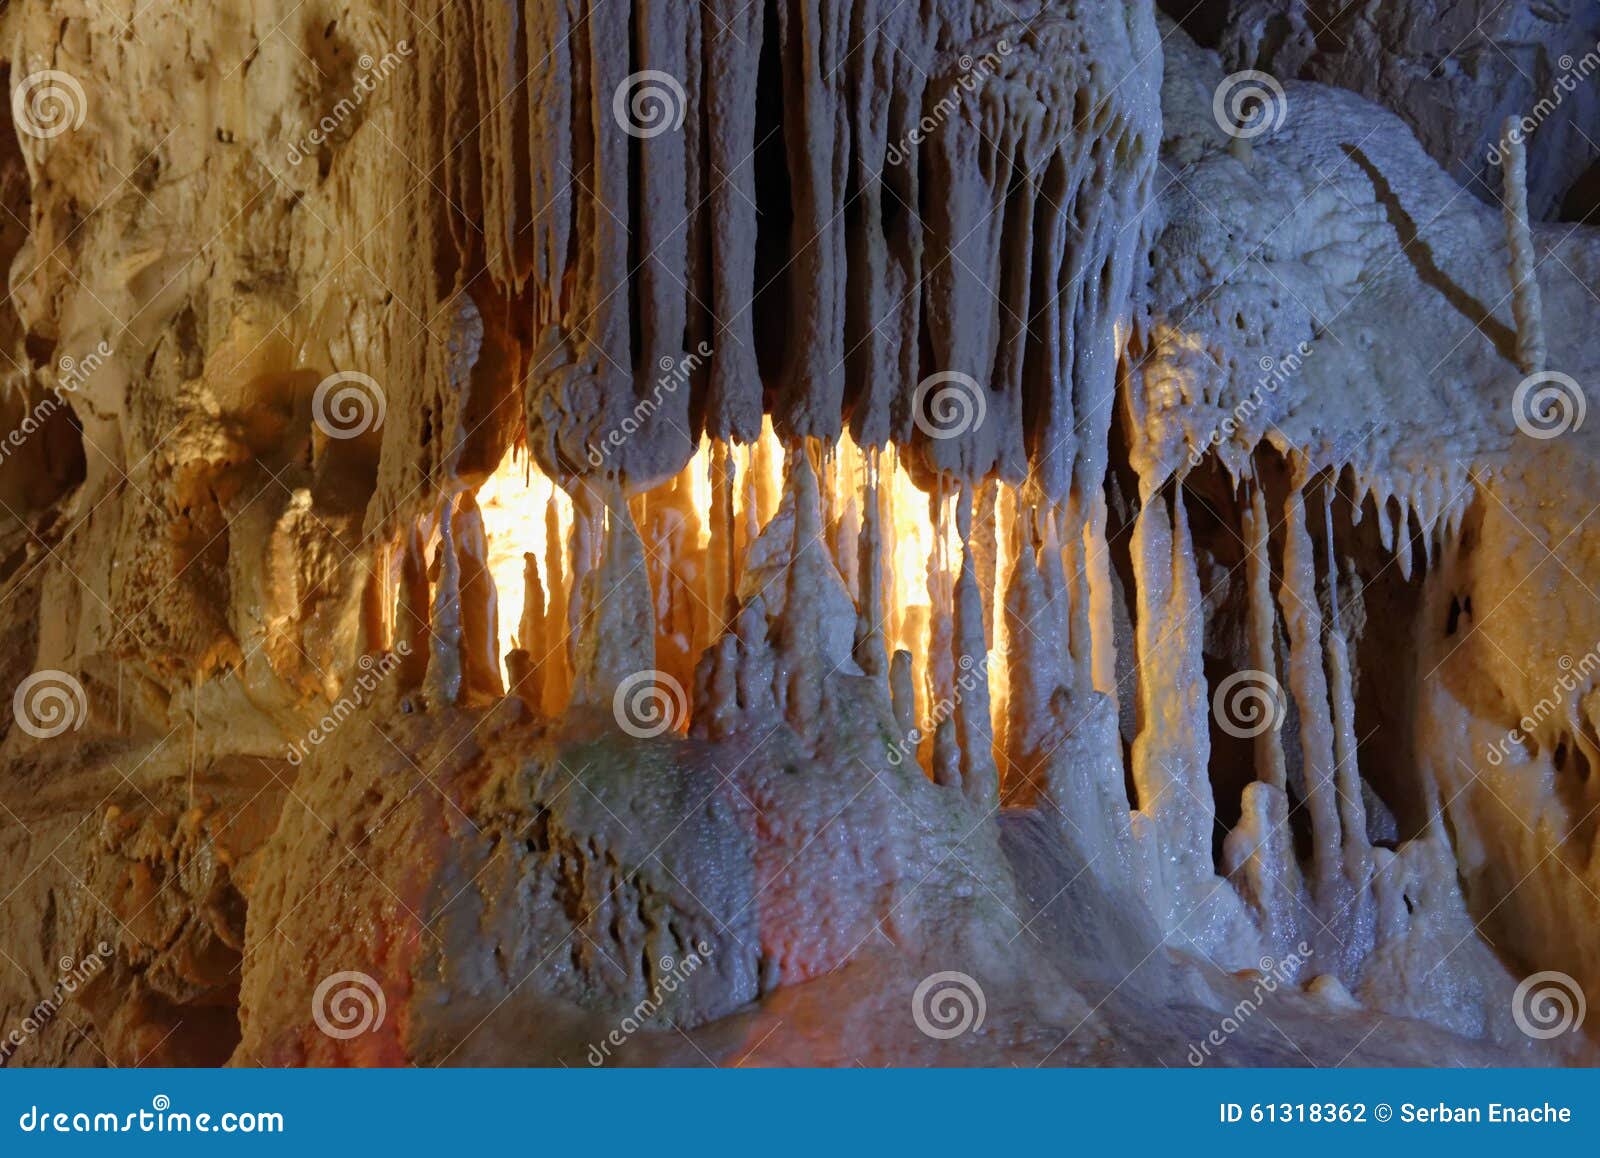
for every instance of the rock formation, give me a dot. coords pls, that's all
(820, 533)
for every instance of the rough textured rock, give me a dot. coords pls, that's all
(827, 533)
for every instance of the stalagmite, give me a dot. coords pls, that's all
(1525, 300)
(902, 692)
(1308, 684)
(973, 725)
(443, 685)
(722, 574)
(413, 615)
(480, 626)
(616, 632)
(555, 663)
(1171, 751)
(1263, 621)
(533, 638)
(870, 647)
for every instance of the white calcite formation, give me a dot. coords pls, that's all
(669, 533)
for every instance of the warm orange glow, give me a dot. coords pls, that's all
(515, 501)
(516, 498)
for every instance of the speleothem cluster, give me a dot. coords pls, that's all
(814, 531)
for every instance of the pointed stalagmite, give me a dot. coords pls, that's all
(480, 626)
(413, 616)
(444, 681)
